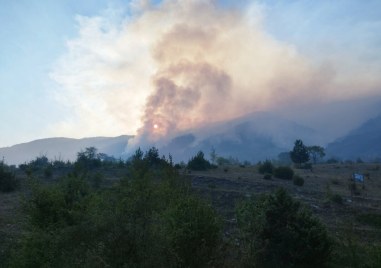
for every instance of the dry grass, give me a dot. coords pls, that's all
(323, 182)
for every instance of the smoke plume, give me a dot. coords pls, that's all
(166, 68)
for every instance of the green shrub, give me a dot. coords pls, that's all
(194, 232)
(266, 167)
(371, 219)
(149, 219)
(48, 172)
(267, 177)
(277, 231)
(8, 181)
(285, 173)
(198, 162)
(297, 180)
(336, 198)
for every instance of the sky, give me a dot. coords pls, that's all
(105, 68)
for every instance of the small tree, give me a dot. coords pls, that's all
(299, 154)
(266, 167)
(284, 173)
(277, 231)
(88, 159)
(316, 152)
(198, 162)
(8, 182)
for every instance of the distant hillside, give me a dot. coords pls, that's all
(363, 142)
(253, 137)
(62, 148)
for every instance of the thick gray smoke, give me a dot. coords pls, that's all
(180, 65)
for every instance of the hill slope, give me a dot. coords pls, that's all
(363, 142)
(252, 137)
(62, 148)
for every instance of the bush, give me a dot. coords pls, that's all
(336, 198)
(297, 180)
(371, 219)
(194, 232)
(149, 219)
(266, 167)
(198, 162)
(267, 177)
(277, 231)
(8, 181)
(285, 173)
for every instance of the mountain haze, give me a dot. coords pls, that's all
(363, 142)
(62, 148)
(252, 137)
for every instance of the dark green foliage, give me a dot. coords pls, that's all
(149, 219)
(284, 173)
(8, 181)
(265, 167)
(267, 176)
(88, 159)
(277, 231)
(372, 219)
(336, 198)
(348, 251)
(48, 172)
(194, 224)
(198, 162)
(297, 180)
(39, 163)
(300, 153)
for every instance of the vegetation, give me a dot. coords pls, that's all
(148, 219)
(299, 154)
(371, 219)
(103, 212)
(278, 231)
(267, 176)
(297, 180)
(284, 173)
(8, 181)
(316, 153)
(265, 167)
(198, 162)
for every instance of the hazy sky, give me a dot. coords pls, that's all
(88, 68)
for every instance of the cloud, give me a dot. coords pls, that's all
(184, 64)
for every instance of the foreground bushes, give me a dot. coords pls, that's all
(199, 162)
(278, 231)
(149, 219)
(285, 173)
(8, 181)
